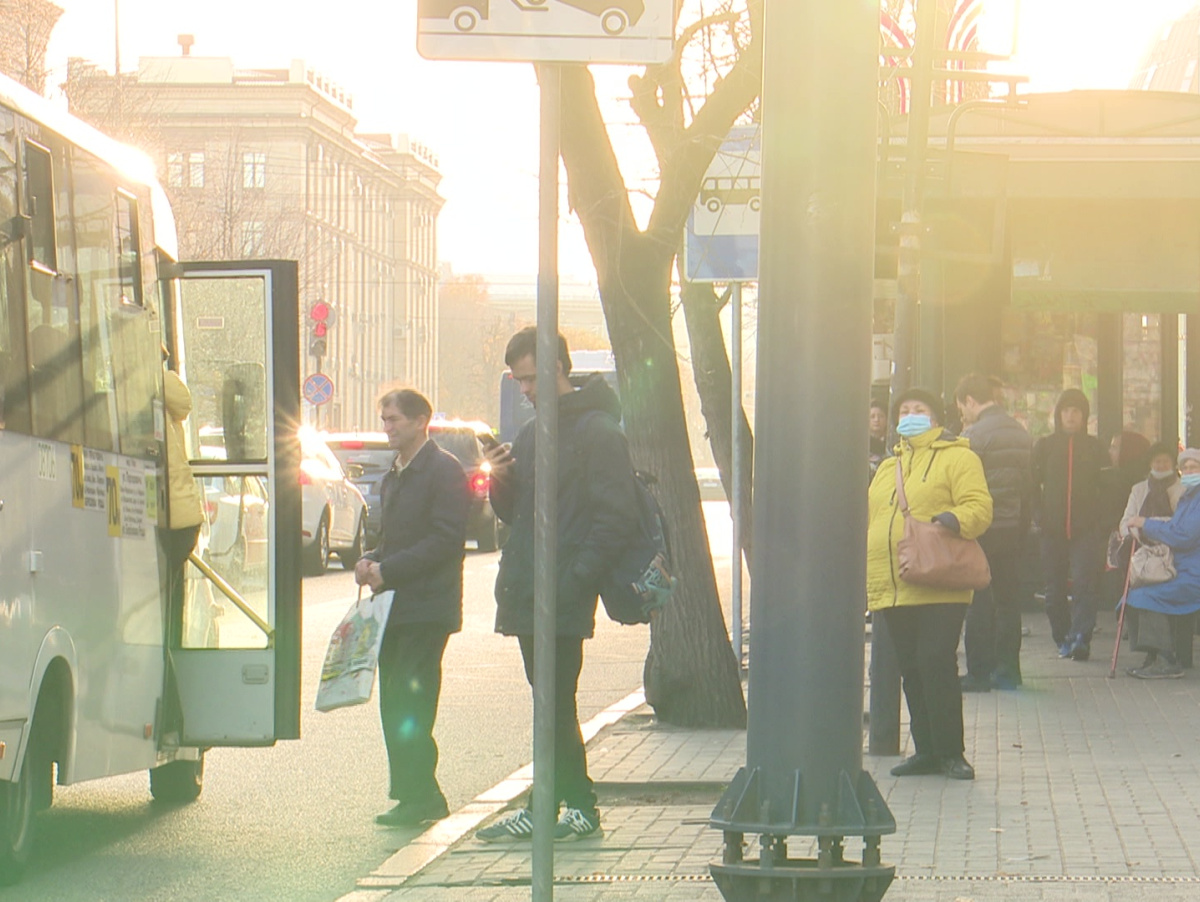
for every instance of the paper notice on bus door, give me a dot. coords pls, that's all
(112, 494)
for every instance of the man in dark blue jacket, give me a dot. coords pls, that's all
(993, 630)
(597, 512)
(424, 499)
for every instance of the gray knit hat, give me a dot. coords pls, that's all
(1189, 454)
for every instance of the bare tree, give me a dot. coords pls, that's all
(686, 107)
(25, 27)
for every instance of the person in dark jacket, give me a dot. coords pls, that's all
(993, 630)
(1066, 482)
(597, 511)
(424, 500)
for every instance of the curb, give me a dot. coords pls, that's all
(429, 846)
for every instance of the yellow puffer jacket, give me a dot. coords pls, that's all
(941, 475)
(183, 495)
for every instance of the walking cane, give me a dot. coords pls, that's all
(1112, 671)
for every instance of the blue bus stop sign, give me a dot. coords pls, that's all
(722, 229)
(318, 389)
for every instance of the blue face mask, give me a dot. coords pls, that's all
(1190, 480)
(914, 424)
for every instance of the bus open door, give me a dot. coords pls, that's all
(234, 644)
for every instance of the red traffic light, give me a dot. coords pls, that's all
(320, 313)
(320, 329)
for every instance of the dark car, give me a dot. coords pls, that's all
(367, 457)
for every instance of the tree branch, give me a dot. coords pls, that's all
(683, 168)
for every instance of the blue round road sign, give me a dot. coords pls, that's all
(318, 389)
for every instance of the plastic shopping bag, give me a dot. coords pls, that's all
(348, 674)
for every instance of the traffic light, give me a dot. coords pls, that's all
(321, 315)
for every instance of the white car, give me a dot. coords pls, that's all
(333, 512)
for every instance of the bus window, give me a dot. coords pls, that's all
(14, 392)
(128, 255)
(97, 278)
(40, 196)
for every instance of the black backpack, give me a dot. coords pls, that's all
(640, 581)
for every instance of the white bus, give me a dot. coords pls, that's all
(101, 672)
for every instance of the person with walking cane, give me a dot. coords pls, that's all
(1156, 604)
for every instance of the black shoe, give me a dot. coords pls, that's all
(412, 814)
(975, 684)
(958, 769)
(1006, 679)
(1080, 650)
(916, 766)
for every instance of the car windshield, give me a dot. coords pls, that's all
(373, 456)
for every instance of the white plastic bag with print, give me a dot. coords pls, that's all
(348, 674)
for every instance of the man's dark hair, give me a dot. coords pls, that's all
(524, 344)
(408, 401)
(878, 404)
(982, 388)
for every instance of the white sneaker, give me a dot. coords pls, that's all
(576, 824)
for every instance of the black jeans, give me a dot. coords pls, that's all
(926, 640)
(1081, 559)
(410, 680)
(993, 631)
(177, 544)
(572, 784)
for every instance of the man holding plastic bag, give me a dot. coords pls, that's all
(424, 499)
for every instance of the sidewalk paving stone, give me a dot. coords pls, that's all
(1087, 789)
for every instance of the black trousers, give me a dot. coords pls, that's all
(572, 784)
(926, 640)
(410, 681)
(993, 631)
(177, 544)
(1079, 560)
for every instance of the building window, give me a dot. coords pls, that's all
(185, 169)
(254, 169)
(252, 239)
(1187, 76)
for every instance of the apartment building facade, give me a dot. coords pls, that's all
(268, 163)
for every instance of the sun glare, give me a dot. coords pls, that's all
(1065, 45)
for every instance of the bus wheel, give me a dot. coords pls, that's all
(178, 782)
(18, 802)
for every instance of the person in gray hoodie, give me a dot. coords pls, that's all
(993, 630)
(1067, 505)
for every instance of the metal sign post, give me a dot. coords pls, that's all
(736, 500)
(545, 505)
(548, 32)
(722, 246)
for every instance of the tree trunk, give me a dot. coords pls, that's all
(712, 373)
(691, 677)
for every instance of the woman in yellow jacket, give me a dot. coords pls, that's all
(945, 484)
(185, 511)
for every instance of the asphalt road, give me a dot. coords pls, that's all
(295, 822)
